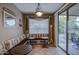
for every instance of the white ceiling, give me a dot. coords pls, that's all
(74, 10)
(31, 7)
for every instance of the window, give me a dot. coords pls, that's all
(73, 30)
(62, 30)
(38, 26)
(9, 18)
(69, 30)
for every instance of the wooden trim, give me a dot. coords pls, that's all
(53, 31)
(51, 19)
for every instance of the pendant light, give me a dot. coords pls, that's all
(38, 10)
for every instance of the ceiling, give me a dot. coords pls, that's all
(31, 7)
(72, 11)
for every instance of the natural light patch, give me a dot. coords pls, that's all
(38, 27)
(77, 21)
(10, 22)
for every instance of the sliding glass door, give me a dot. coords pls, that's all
(62, 30)
(69, 30)
(73, 30)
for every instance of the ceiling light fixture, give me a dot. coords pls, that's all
(38, 10)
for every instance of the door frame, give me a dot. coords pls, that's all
(66, 8)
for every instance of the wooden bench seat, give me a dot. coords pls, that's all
(21, 49)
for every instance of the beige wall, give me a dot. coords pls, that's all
(9, 33)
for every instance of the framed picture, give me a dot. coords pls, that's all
(9, 18)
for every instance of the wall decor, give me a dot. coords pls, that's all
(9, 18)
